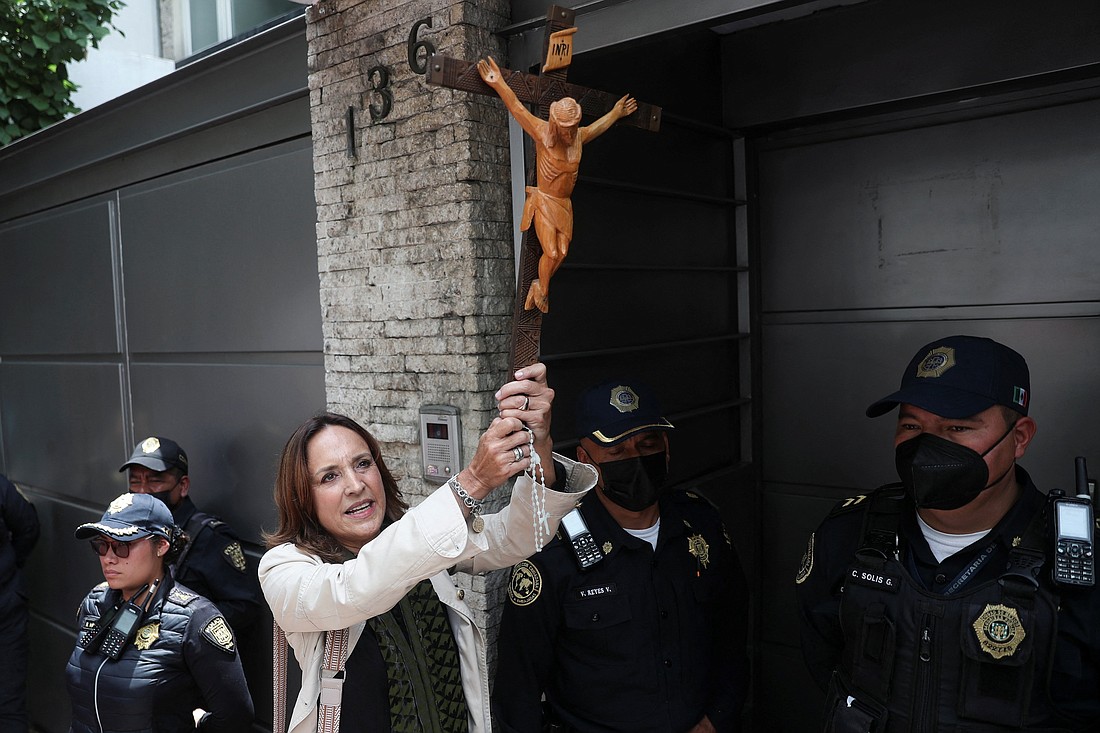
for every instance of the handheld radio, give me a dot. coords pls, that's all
(580, 539)
(1073, 532)
(121, 629)
(115, 633)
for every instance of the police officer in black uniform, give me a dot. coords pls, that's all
(651, 637)
(214, 565)
(18, 535)
(151, 656)
(929, 605)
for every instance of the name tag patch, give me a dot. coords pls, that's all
(874, 579)
(599, 590)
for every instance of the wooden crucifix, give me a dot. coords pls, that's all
(558, 138)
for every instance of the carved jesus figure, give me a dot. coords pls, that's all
(558, 144)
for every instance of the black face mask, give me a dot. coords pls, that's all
(635, 483)
(940, 474)
(166, 496)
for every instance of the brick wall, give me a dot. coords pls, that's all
(414, 234)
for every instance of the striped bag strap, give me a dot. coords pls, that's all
(278, 678)
(332, 681)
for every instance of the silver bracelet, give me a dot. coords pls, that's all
(474, 505)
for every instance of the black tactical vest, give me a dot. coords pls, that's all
(975, 661)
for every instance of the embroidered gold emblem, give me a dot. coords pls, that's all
(1017, 540)
(606, 548)
(120, 503)
(150, 445)
(698, 546)
(525, 584)
(218, 633)
(180, 597)
(146, 635)
(807, 564)
(937, 361)
(624, 399)
(235, 555)
(999, 630)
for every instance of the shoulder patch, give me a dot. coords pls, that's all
(234, 555)
(180, 597)
(218, 633)
(525, 584)
(807, 565)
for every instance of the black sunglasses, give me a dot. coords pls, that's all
(121, 549)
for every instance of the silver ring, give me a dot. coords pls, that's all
(518, 453)
(526, 403)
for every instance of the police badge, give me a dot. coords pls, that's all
(938, 361)
(120, 503)
(146, 635)
(624, 399)
(999, 630)
(698, 546)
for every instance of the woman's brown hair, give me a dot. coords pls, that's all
(294, 491)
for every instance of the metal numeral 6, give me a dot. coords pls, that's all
(416, 63)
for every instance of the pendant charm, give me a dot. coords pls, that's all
(477, 524)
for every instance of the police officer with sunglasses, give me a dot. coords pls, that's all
(151, 655)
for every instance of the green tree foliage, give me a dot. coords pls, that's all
(37, 39)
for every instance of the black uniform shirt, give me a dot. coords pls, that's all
(216, 568)
(643, 641)
(1075, 680)
(18, 535)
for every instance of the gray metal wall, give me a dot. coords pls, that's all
(876, 245)
(165, 284)
(909, 186)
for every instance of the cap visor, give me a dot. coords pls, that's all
(154, 463)
(122, 533)
(609, 437)
(939, 400)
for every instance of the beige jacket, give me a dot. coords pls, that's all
(308, 596)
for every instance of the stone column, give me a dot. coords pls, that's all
(414, 234)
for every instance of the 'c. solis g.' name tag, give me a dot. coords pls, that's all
(873, 579)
